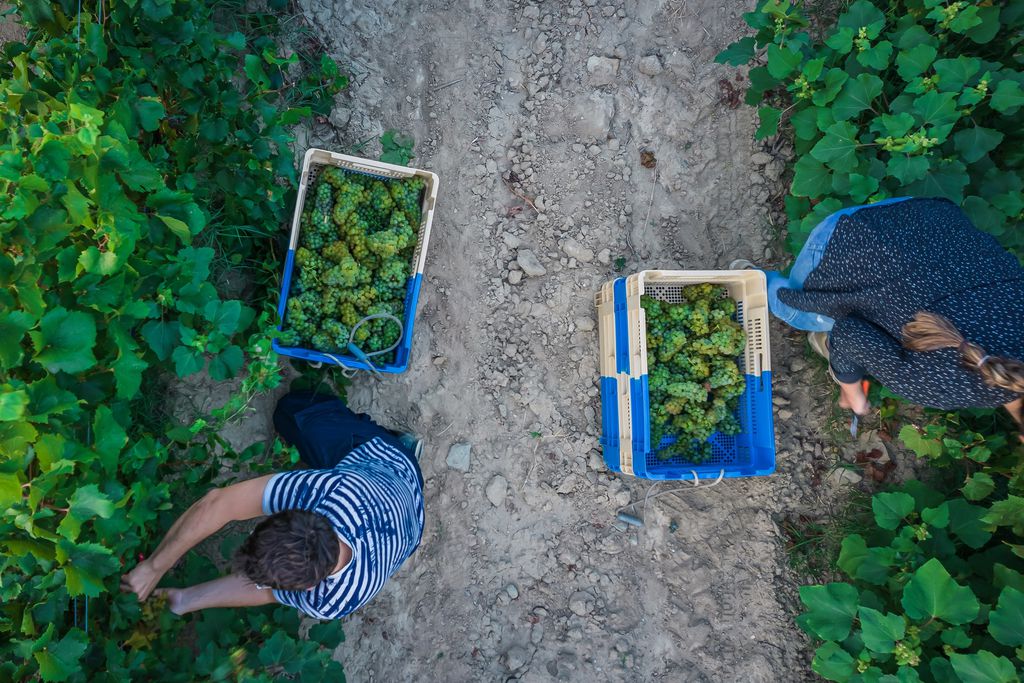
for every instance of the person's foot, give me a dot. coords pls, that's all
(742, 264)
(413, 443)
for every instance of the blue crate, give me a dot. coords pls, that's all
(313, 161)
(749, 453)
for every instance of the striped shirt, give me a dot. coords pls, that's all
(374, 500)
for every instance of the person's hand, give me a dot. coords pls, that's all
(141, 580)
(177, 599)
(852, 397)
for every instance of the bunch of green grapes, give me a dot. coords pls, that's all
(357, 238)
(694, 381)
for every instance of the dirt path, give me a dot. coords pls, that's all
(522, 573)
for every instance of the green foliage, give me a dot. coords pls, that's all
(694, 381)
(935, 589)
(140, 154)
(356, 247)
(396, 148)
(902, 97)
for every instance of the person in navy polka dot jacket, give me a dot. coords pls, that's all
(909, 292)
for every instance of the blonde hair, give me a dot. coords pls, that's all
(930, 331)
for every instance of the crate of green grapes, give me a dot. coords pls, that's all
(686, 375)
(354, 267)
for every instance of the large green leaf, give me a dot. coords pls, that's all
(86, 503)
(965, 522)
(782, 60)
(12, 404)
(915, 61)
(811, 178)
(833, 663)
(983, 667)
(978, 486)
(955, 73)
(834, 81)
(1006, 622)
(936, 108)
(856, 96)
(227, 363)
(108, 435)
(65, 341)
(85, 566)
(891, 508)
(880, 631)
(932, 593)
(1009, 512)
(1007, 97)
(13, 326)
(975, 142)
(769, 118)
(52, 161)
(861, 13)
(907, 169)
(877, 56)
(161, 336)
(738, 53)
(58, 661)
(150, 111)
(187, 361)
(10, 490)
(831, 609)
(872, 565)
(838, 148)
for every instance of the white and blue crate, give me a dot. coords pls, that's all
(625, 404)
(312, 163)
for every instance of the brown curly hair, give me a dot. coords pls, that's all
(290, 550)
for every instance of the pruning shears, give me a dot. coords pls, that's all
(855, 422)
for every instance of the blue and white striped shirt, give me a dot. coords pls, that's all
(374, 500)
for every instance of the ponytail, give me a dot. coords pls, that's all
(930, 332)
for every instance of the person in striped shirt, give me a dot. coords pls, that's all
(333, 534)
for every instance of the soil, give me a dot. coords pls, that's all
(576, 140)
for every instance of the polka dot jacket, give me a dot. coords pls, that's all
(882, 266)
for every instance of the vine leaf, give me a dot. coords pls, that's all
(891, 508)
(59, 660)
(833, 663)
(738, 53)
(838, 148)
(811, 178)
(966, 523)
(975, 142)
(856, 96)
(769, 117)
(86, 503)
(1006, 622)
(830, 610)
(65, 341)
(983, 667)
(978, 486)
(915, 61)
(880, 631)
(161, 336)
(1007, 97)
(932, 593)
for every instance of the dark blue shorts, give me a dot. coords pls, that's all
(324, 430)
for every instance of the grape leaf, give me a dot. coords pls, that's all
(932, 593)
(59, 661)
(983, 667)
(149, 111)
(891, 508)
(880, 631)
(1006, 622)
(769, 117)
(831, 609)
(65, 341)
(914, 61)
(1007, 97)
(856, 96)
(811, 178)
(738, 53)
(838, 148)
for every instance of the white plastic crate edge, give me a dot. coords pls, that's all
(325, 157)
(756, 354)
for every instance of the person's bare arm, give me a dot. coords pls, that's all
(206, 516)
(233, 590)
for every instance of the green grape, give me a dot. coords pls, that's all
(694, 381)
